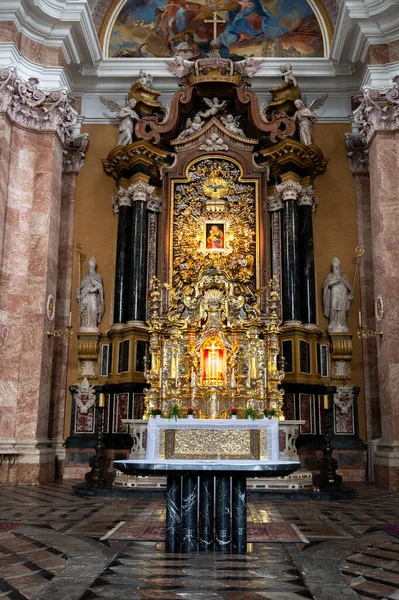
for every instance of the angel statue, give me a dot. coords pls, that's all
(192, 126)
(231, 124)
(306, 117)
(287, 74)
(214, 107)
(127, 115)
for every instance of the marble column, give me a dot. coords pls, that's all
(173, 517)
(189, 513)
(140, 194)
(206, 520)
(359, 165)
(239, 514)
(223, 513)
(289, 192)
(28, 273)
(122, 205)
(73, 161)
(378, 118)
(275, 208)
(306, 205)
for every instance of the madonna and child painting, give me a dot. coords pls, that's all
(259, 28)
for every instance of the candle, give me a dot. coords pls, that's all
(360, 318)
(101, 401)
(70, 319)
(325, 398)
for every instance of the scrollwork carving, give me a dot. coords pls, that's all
(357, 153)
(34, 108)
(378, 111)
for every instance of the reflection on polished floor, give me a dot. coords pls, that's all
(50, 549)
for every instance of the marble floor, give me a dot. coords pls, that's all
(50, 549)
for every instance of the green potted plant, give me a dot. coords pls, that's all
(270, 413)
(250, 413)
(174, 412)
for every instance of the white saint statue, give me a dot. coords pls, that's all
(337, 298)
(90, 295)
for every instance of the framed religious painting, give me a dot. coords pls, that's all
(215, 236)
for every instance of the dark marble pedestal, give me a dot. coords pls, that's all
(206, 504)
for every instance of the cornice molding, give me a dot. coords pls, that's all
(361, 23)
(64, 23)
(51, 77)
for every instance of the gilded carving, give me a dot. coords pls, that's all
(210, 181)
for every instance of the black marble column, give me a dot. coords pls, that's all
(173, 508)
(290, 283)
(275, 243)
(206, 520)
(138, 271)
(122, 273)
(306, 262)
(239, 514)
(223, 513)
(189, 513)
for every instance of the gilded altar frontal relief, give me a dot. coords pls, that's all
(184, 28)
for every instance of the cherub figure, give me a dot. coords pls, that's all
(180, 67)
(231, 124)
(306, 117)
(214, 107)
(287, 74)
(127, 115)
(192, 126)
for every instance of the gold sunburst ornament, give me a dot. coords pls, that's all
(215, 187)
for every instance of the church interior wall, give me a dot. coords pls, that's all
(95, 228)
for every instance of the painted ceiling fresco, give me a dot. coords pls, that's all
(261, 28)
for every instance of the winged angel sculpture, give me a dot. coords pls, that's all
(127, 115)
(306, 116)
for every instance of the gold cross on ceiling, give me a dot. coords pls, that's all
(215, 22)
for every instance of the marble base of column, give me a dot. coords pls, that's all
(189, 514)
(173, 508)
(239, 515)
(223, 512)
(206, 520)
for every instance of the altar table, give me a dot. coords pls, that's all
(206, 505)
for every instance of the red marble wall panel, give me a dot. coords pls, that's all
(5, 139)
(63, 308)
(384, 185)
(306, 412)
(28, 275)
(121, 411)
(366, 274)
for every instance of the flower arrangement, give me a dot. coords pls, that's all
(174, 412)
(270, 413)
(250, 413)
(155, 412)
(190, 412)
(233, 412)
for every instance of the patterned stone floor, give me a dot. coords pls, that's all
(50, 549)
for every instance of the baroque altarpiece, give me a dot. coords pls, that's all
(215, 202)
